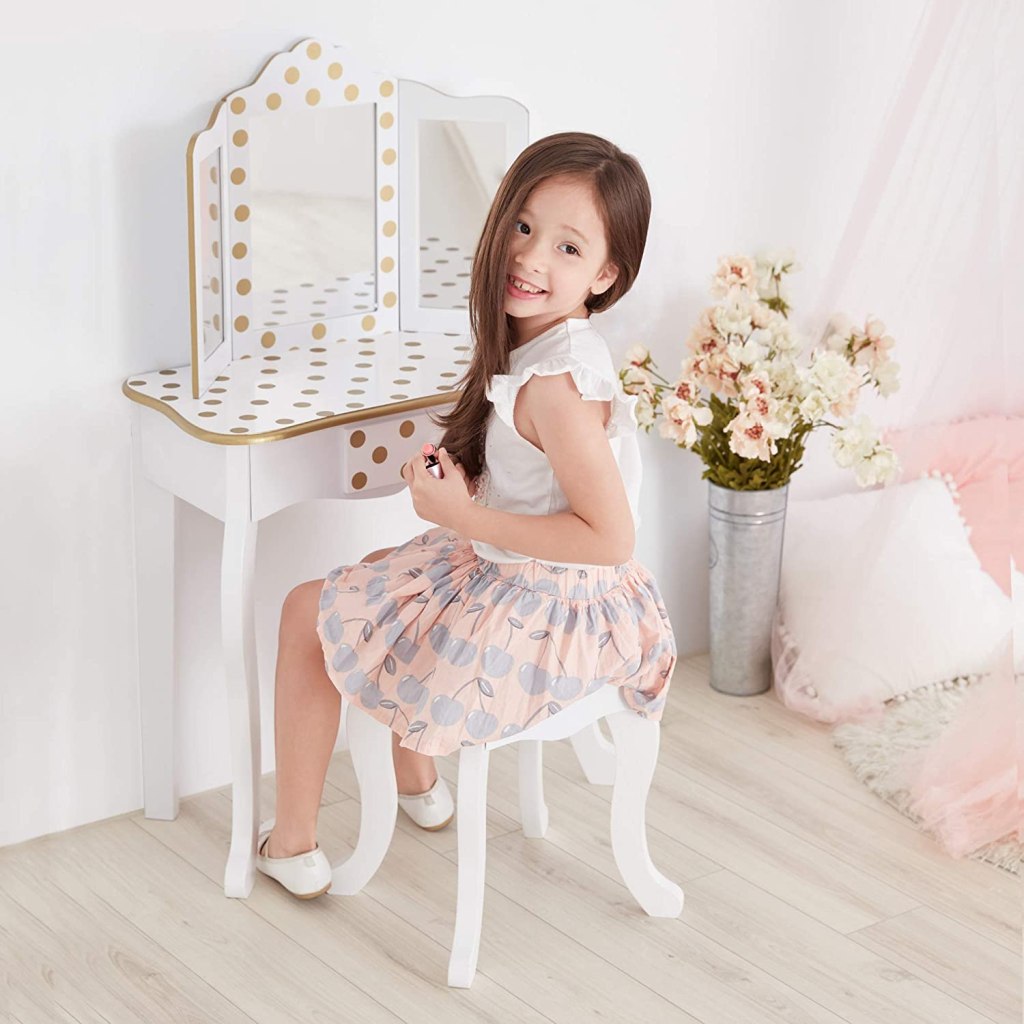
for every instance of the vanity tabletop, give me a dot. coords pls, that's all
(304, 388)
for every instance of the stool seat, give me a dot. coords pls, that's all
(636, 742)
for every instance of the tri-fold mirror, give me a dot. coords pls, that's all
(328, 197)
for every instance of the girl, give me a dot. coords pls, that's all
(525, 597)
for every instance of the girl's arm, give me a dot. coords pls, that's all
(598, 528)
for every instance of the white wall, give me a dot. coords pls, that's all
(754, 121)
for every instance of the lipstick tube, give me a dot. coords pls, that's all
(431, 460)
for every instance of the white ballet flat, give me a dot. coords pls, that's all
(305, 875)
(431, 810)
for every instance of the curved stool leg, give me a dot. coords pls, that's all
(636, 746)
(370, 745)
(471, 822)
(533, 812)
(342, 741)
(595, 755)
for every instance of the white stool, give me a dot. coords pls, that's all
(636, 742)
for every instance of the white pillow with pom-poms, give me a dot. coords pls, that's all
(880, 593)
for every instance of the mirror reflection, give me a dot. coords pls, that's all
(311, 177)
(461, 164)
(211, 300)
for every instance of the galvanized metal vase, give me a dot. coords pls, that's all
(745, 559)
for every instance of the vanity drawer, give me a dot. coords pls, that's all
(351, 460)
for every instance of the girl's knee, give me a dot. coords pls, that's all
(302, 603)
(302, 606)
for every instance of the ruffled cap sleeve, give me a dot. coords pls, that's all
(592, 384)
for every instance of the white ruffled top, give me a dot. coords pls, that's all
(518, 477)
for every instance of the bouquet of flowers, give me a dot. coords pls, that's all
(761, 403)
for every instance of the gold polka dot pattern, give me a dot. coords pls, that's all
(289, 390)
(309, 75)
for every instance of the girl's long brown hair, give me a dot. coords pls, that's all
(624, 203)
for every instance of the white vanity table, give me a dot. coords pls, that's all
(333, 212)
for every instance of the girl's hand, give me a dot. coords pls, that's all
(443, 501)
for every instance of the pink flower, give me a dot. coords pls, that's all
(705, 337)
(680, 420)
(723, 370)
(688, 391)
(759, 406)
(756, 384)
(733, 272)
(749, 437)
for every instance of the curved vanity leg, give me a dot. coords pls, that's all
(370, 745)
(471, 822)
(239, 639)
(636, 746)
(595, 754)
(153, 517)
(533, 812)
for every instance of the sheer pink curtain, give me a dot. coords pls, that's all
(936, 237)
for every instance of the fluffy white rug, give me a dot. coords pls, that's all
(873, 751)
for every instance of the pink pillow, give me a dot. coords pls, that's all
(983, 460)
(1015, 440)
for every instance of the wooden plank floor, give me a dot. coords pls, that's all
(808, 901)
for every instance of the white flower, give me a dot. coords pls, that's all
(786, 415)
(784, 338)
(840, 324)
(887, 377)
(770, 269)
(838, 380)
(644, 411)
(874, 329)
(637, 355)
(879, 467)
(875, 345)
(776, 262)
(829, 371)
(854, 442)
(733, 317)
(786, 380)
(763, 316)
(635, 379)
(813, 406)
(756, 347)
(845, 403)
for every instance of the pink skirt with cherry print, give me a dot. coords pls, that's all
(451, 650)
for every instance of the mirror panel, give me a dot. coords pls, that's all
(312, 214)
(212, 300)
(465, 159)
(456, 151)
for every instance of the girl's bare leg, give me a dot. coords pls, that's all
(307, 707)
